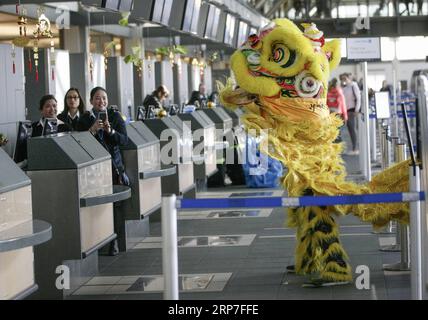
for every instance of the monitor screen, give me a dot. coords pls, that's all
(166, 12)
(157, 11)
(242, 33)
(141, 113)
(195, 16)
(110, 4)
(230, 29)
(188, 12)
(126, 5)
(212, 22)
(50, 126)
(24, 132)
(150, 113)
(382, 105)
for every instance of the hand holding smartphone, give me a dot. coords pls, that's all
(102, 115)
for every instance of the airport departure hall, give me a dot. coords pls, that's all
(213, 150)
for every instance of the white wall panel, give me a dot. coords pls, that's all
(12, 95)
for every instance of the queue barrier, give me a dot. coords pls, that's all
(170, 204)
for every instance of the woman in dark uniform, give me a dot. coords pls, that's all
(155, 100)
(109, 131)
(108, 127)
(73, 108)
(48, 109)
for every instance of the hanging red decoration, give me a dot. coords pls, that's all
(13, 54)
(30, 63)
(91, 67)
(53, 61)
(43, 30)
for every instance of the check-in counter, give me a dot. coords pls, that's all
(176, 149)
(239, 133)
(18, 232)
(142, 160)
(203, 132)
(235, 115)
(71, 177)
(223, 124)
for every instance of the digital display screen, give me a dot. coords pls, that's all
(166, 11)
(242, 33)
(191, 15)
(382, 105)
(110, 4)
(195, 16)
(126, 5)
(212, 22)
(157, 11)
(188, 12)
(230, 29)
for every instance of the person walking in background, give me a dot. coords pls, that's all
(353, 103)
(336, 102)
(386, 88)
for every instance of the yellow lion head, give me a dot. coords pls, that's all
(284, 62)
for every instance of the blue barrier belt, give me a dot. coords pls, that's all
(275, 202)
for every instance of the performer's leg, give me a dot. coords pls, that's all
(319, 251)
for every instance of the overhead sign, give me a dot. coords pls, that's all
(363, 49)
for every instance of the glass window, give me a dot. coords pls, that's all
(412, 48)
(387, 49)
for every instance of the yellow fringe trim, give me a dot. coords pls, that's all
(313, 161)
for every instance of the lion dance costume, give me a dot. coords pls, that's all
(282, 76)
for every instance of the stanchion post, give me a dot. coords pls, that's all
(385, 163)
(169, 247)
(415, 237)
(402, 241)
(365, 141)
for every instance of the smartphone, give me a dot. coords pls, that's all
(102, 115)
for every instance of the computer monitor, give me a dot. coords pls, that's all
(382, 105)
(141, 113)
(126, 5)
(150, 112)
(24, 132)
(50, 126)
(173, 109)
(110, 4)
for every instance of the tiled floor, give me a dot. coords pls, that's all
(254, 270)
(215, 214)
(142, 284)
(199, 241)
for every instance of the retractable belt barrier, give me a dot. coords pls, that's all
(170, 204)
(275, 202)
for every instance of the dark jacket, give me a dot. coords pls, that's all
(38, 128)
(63, 116)
(110, 142)
(197, 96)
(151, 100)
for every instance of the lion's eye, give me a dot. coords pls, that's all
(282, 55)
